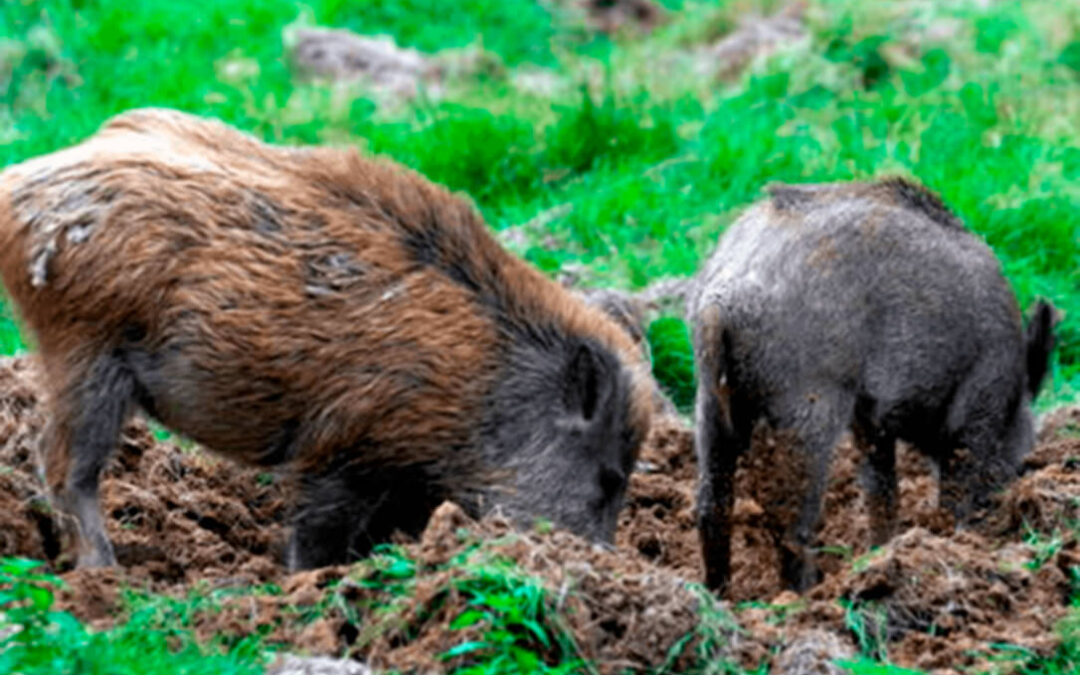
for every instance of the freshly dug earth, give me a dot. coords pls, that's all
(933, 598)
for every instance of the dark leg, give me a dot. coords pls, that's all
(330, 511)
(879, 479)
(87, 417)
(817, 423)
(968, 481)
(716, 498)
(343, 516)
(952, 491)
(719, 442)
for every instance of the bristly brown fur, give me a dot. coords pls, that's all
(295, 262)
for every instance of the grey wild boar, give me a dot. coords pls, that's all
(866, 306)
(310, 308)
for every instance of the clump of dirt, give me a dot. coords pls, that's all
(1063, 421)
(620, 610)
(1047, 494)
(755, 37)
(376, 63)
(815, 652)
(617, 16)
(658, 520)
(933, 598)
(343, 56)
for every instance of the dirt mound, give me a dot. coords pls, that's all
(755, 37)
(1047, 495)
(1064, 421)
(25, 526)
(658, 520)
(377, 64)
(937, 602)
(933, 598)
(343, 56)
(616, 16)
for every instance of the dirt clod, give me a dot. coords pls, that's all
(814, 652)
(616, 16)
(343, 56)
(756, 37)
(316, 665)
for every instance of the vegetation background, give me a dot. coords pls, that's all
(614, 159)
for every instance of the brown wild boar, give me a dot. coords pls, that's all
(310, 308)
(869, 306)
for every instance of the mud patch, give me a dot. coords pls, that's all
(933, 598)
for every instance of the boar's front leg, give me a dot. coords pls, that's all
(720, 439)
(878, 451)
(344, 512)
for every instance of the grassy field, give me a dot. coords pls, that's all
(628, 163)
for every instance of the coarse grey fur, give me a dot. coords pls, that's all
(865, 306)
(548, 404)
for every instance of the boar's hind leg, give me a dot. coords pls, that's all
(88, 411)
(723, 433)
(817, 420)
(879, 476)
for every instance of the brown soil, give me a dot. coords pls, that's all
(756, 37)
(934, 598)
(616, 16)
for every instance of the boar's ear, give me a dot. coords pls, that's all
(585, 382)
(1040, 342)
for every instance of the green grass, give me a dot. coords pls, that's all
(36, 639)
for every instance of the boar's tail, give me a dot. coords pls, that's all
(713, 347)
(1039, 343)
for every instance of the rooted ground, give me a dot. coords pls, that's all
(933, 598)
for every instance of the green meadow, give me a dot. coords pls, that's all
(618, 160)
